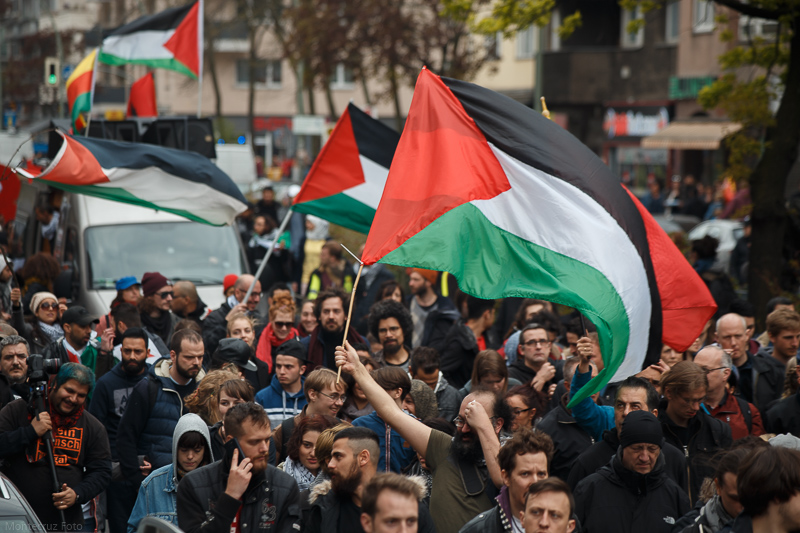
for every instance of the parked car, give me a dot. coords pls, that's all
(727, 232)
(16, 514)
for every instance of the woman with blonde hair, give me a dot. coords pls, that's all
(279, 330)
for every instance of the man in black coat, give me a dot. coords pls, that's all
(632, 493)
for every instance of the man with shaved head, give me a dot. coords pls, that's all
(760, 378)
(215, 326)
(186, 303)
(743, 417)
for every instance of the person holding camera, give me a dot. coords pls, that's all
(81, 455)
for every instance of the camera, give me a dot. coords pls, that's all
(39, 367)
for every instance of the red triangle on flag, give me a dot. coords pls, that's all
(185, 42)
(443, 161)
(337, 167)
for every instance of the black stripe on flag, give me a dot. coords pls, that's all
(526, 135)
(169, 19)
(375, 140)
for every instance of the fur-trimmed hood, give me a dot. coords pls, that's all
(323, 488)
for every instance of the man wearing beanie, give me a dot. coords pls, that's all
(431, 313)
(154, 308)
(632, 492)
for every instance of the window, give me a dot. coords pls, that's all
(703, 16)
(267, 73)
(750, 28)
(555, 25)
(527, 42)
(343, 78)
(627, 39)
(672, 12)
(494, 46)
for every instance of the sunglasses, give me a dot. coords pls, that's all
(47, 306)
(282, 325)
(165, 294)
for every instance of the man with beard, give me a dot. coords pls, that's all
(465, 470)
(431, 313)
(391, 324)
(108, 404)
(353, 464)
(329, 308)
(14, 352)
(126, 316)
(154, 407)
(77, 344)
(241, 494)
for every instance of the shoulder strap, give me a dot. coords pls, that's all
(744, 407)
(287, 426)
(152, 392)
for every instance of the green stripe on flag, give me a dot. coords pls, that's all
(116, 194)
(340, 209)
(491, 263)
(82, 104)
(168, 64)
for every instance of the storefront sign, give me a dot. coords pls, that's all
(687, 88)
(635, 122)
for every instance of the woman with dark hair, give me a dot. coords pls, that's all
(232, 392)
(308, 320)
(390, 289)
(129, 291)
(526, 406)
(38, 274)
(302, 463)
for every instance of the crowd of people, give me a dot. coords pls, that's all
(434, 411)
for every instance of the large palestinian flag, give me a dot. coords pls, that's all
(80, 87)
(171, 39)
(177, 181)
(513, 205)
(345, 184)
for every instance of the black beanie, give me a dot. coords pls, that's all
(641, 427)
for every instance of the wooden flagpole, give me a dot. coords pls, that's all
(350, 310)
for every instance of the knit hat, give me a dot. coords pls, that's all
(430, 275)
(641, 427)
(785, 440)
(152, 281)
(292, 348)
(228, 282)
(424, 400)
(126, 283)
(40, 297)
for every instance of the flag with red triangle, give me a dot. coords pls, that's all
(142, 100)
(345, 184)
(512, 204)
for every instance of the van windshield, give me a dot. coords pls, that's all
(179, 250)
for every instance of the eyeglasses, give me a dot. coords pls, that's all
(283, 324)
(335, 397)
(459, 422)
(534, 342)
(517, 412)
(166, 294)
(710, 370)
(47, 305)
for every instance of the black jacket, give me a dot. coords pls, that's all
(438, 323)
(707, 435)
(459, 351)
(784, 416)
(215, 327)
(617, 499)
(31, 331)
(569, 438)
(521, 372)
(270, 503)
(601, 453)
(768, 377)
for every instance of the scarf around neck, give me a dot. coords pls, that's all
(300, 473)
(53, 333)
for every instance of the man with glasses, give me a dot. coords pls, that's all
(390, 323)
(760, 377)
(743, 417)
(324, 396)
(215, 326)
(154, 308)
(534, 366)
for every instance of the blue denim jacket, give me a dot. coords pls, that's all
(157, 496)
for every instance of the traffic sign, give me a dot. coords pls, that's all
(66, 71)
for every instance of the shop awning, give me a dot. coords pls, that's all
(691, 135)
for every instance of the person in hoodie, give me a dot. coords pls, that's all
(632, 492)
(524, 460)
(109, 401)
(284, 397)
(191, 449)
(424, 366)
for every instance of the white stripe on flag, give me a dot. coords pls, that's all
(570, 222)
(139, 45)
(369, 193)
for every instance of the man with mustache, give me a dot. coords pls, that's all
(466, 473)
(154, 408)
(390, 323)
(330, 310)
(14, 352)
(109, 401)
(241, 494)
(335, 506)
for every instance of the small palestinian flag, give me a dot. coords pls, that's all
(80, 87)
(345, 184)
(176, 181)
(171, 39)
(513, 205)
(142, 100)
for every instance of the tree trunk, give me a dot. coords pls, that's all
(212, 70)
(398, 118)
(331, 105)
(768, 184)
(312, 107)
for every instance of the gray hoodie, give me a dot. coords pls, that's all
(189, 422)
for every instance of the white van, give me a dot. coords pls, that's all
(100, 241)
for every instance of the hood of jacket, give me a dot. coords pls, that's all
(186, 423)
(324, 487)
(277, 389)
(161, 369)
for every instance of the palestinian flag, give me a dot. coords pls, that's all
(345, 184)
(142, 100)
(513, 205)
(171, 39)
(176, 181)
(80, 88)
